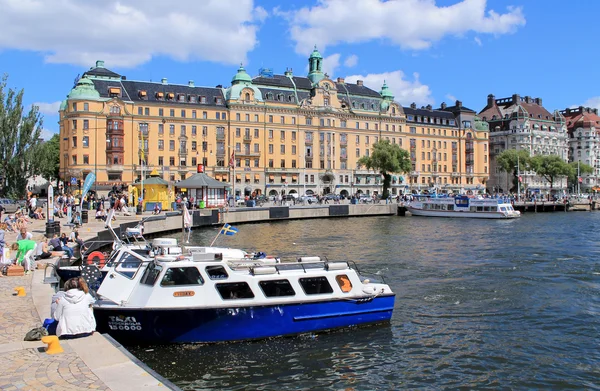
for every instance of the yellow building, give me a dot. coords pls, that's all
(281, 133)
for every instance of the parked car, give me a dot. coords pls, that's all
(365, 199)
(331, 196)
(309, 199)
(9, 206)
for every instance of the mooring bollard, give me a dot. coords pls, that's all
(53, 344)
(20, 291)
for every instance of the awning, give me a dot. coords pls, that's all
(247, 177)
(294, 177)
(114, 90)
(401, 179)
(142, 93)
(283, 176)
(256, 176)
(271, 176)
(238, 176)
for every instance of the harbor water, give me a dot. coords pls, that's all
(481, 305)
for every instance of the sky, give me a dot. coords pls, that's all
(428, 51)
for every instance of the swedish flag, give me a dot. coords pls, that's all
(228, 230)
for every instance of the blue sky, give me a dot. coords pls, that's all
(428, 51)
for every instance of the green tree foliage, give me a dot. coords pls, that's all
(19, 134)
(572, 180)
(509, 159)
(550, 167)
(48, 163)
(386, 158)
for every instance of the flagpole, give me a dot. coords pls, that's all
(233, 178)
(216, 237)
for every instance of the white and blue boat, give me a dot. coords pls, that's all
(462, 206)
(211, 294)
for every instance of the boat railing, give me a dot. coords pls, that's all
(374, 276)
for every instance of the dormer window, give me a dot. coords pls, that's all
(393, 110)
(193, 99)
(202, 99)
(114, 92)
(143, 95)
(270, 95)
(280, 97)
(291, 98)
(170, 96)
(247, 97)
(354, 105)
(160, 96)
(218, 101)
(181, 98)
(362, 106)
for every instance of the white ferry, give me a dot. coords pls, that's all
(462, 206)
(213, 295)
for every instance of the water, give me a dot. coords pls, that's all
(480, 304)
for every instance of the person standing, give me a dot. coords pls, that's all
(22, 247)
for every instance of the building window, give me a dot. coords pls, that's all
(74, 123)
(308, 120)
(326, 101)
(161, 145)
(193, 130)
(86, 159)
(204, 131)
(172, 130)
(172, 112)
(282, 148)
(218, 115)
(204, 115)
(282, 163)
(74, 141)
(293, 120)
(171, 160)
(194, 145)
(255, 117)
(270, 148)
(86, 124)
(183, 130)
(160, 161)
(161, 112)
(271, 119)
(171, 145)
(74, 159)
(147, 111)
(182, 113)
(270, 133)
(86, 141)
(270, 163)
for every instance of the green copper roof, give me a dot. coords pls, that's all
(241, 76)
(315, 53)
(84, 90)
(385, 92)
(480, 125)
(63, 105)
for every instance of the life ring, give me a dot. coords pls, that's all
(96, 258)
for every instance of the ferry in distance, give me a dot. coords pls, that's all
(462, 206)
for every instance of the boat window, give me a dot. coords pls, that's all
(234, 290)
(486, 208)
(480, 209)
(344, 283)
(277, 288)
(502, 209)
(315, 285)
(493, 208)
(216, 272)
(176, 276)
(151, 274)
(450, 207)
(128, 265)
(141, 251)
(112, 259)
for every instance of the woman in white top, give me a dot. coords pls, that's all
(74, 311)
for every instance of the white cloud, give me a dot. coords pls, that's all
(592, 102)
(330, 64)
(478, 41)
(126, 34)
(351, 61)
(451, 99)
(48, 108)
(47, 134)
(410, 24)
(405, 91)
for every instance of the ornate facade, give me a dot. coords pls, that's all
(583, 125)
(284, 133)
(523, 123)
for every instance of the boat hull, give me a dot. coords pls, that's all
(210, 325)
(448, 213)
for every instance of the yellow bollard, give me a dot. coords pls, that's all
(20, 291)
(53, 344)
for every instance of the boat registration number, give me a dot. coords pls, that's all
(184, 293)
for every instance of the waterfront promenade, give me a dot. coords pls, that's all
(92, 363)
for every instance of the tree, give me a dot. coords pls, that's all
(48, 163)
(386, 158)
(19, 136)
(509, 159)
(572, 179)
(550, 167)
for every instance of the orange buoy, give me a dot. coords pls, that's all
(96, 258)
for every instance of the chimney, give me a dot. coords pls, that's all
(516, 99)
(491, 100)
(164, 80)
(100, 64)
(538, 101)
(595, 111)
(581, 109)
(191, 83)
(359, 83)
(444, 105)
(288, 72)
(527, 99)
(458, 103)
(340, 80)
(428, 107)
(413, 105)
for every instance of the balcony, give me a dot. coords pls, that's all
(247, 153)
(114, 167)
(143, 134)
(343, 157)
(308, 141)
(183, 153)
(343, 142)
(455, 174)
(414, 173)
(435, 174)
(274, 170)
(247, 138)
(220, 137)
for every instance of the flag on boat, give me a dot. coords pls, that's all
(187, 217)
(228, 230)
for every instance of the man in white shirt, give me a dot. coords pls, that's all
(33, 203)
(24, 235)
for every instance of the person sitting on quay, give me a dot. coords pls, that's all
(42, 250)
(57, 245)
(22, 258)
(100, 214)
(73, 311)
(24, 235)
(156, 209)
(39, 213)
(11, 223)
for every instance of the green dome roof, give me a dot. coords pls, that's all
(241, 76)
(63, 105)
(385, 91)
(315, 53)
(84, 90)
